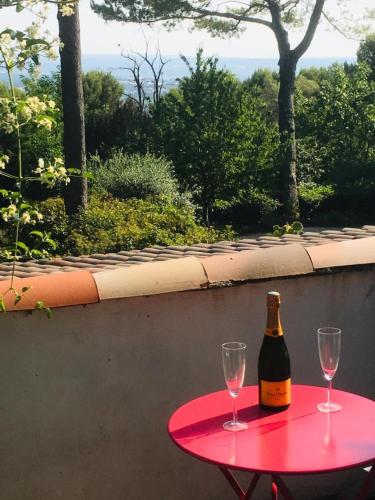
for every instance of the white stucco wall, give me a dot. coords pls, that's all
(85, 397)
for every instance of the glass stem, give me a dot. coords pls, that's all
(329, 392)
(234, 410)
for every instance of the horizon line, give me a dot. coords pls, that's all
(222, 57)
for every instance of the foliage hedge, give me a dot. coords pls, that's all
(134, 176)
(112, 225)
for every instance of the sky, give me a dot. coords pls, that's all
(98, 37)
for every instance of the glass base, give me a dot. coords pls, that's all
(232, 425)
(329, 407)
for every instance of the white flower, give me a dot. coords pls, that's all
(4, 159)
(67, 9)
(10, 212)
(51, 54)
(41, 163)
(45, 122)
(33, 30)
(51, 104)
(33, 103)
(5, 39)
(26, 218)
(26, 113)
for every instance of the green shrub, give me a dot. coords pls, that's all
(55, 221)
(134, 176)
(220, 143)
(311, 197)
(112, 225)
(295, 227)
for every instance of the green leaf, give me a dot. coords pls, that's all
(25, 289)
(37, 233)
(51, 243)
(40, 306)
(22, 245)
(19, 7)
(297, 226)
(36, 253)
(36, 41)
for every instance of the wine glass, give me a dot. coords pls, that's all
(234, 363)
(329, 343)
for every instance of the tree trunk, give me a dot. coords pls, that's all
(75, 194)
(288, 150)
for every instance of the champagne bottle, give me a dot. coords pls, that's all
(273, 363)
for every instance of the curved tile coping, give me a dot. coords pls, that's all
(288, 260)
(345, 253)
(151, 278)
(55, 290)
(189, 273)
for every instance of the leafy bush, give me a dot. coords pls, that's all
(127, 176)
(219, 142)
(55, 220)
(263, 85)
(113, 120)
(37, 142)
(366, 53)
(103, 95)
(295, 228)
(111, 225)
(337, 147)
(311, 196)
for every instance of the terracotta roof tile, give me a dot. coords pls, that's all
(55, 290)
(272, 262)
(98, 262)
(155, 278)
(348, 253)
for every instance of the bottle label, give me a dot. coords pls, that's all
(275, 393)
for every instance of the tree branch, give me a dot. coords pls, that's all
(334, 26)
(278, 28)
(232, 15)
(140, 20)
(309, 35)
(290, 3)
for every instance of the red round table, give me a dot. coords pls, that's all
(299, 440)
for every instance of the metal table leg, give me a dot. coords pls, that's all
(366, 485)
(242, 495)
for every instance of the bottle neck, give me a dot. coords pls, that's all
(273, 328)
